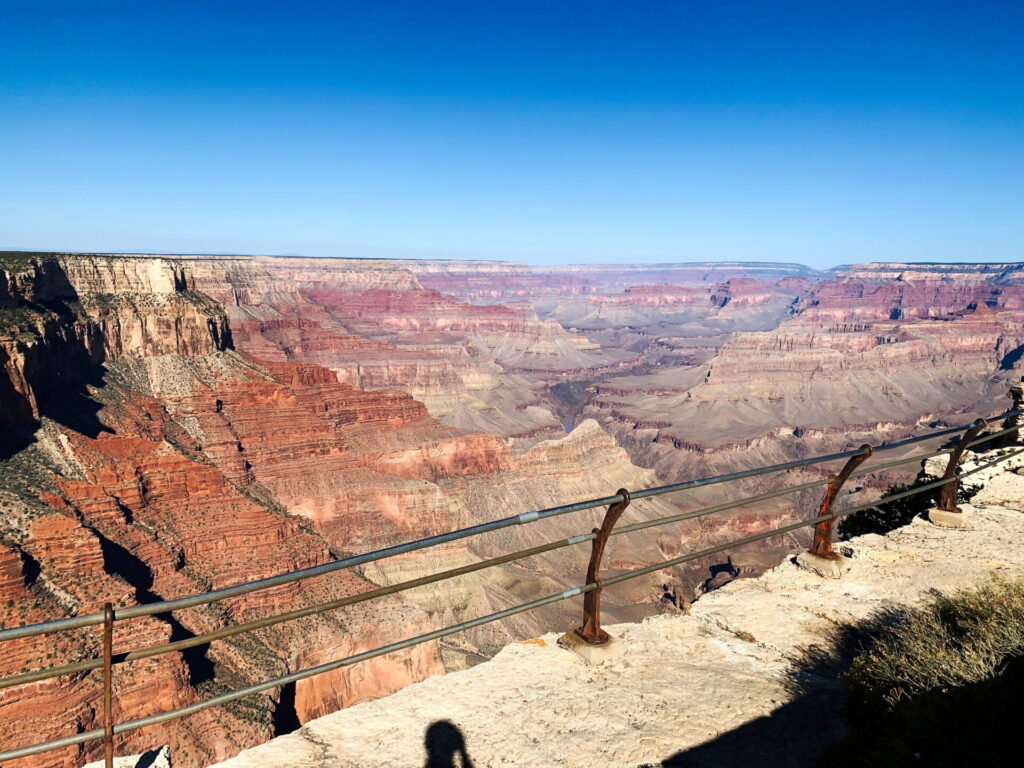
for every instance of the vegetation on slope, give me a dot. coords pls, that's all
(940, 685)
(889, 515)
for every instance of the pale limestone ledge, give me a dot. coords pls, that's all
(684, 680)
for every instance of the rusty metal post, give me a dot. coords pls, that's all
(822, 546)
(590, 632)
(1017, 394)
(108, 688)
(947, 494)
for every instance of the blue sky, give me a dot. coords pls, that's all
(550, 132)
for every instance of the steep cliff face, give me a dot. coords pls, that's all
(983, 273)
(673, 311)
(170, 425)
(108, 495)
(489, 282)
(587, 463)
(730, 661)
(544, 287)
(474, 366)
(161, 462)
(62, 317)
(622, 276)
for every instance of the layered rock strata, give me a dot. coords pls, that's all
(109, 497)
(474, 366)
(160, 462)
(171, 425)
(733, 660)
(857, 361)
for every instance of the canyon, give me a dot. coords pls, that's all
(174, 424)
(754, 664)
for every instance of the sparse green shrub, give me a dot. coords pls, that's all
(940, 685)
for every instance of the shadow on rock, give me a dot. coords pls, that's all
(899, 703)
(60, 366)
(791, 737)
(444, 743)
(799, 732)
(156, 758)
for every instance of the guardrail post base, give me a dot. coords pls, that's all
(947, 514)
(946, 518)
(821, 559)
(592, 654)
(589, 641)
(827, 567)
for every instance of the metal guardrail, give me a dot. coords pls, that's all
(590, 631)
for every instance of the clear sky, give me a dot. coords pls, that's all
(822, 132)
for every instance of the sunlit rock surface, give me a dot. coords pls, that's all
(858, 359)
(709, 688)
(170, 425)
(146, 458)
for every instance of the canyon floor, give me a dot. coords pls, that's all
(732, 682)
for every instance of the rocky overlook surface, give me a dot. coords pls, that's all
(725, 684)
(173, 424)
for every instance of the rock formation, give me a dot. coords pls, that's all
(377, 327)
(856, 360)
(170, 425)
(109, 496)
(146, 459)
(730, 682)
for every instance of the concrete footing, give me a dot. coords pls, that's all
(826, 567)
(947, 519)
(592, 654)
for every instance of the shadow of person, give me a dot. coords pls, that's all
(444, 742)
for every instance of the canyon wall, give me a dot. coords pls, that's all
(111, 366)
(374, 325)
(740, 365)
(870, 358)
(170, 425)
(149, 457)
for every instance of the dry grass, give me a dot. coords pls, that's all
(940, 684)
(955, 640)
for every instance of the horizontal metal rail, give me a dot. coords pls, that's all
(990, 436)
(225, 632)
(802, 524)
(217, 595)
(235, 629)
(90, 664)
(229, 696)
